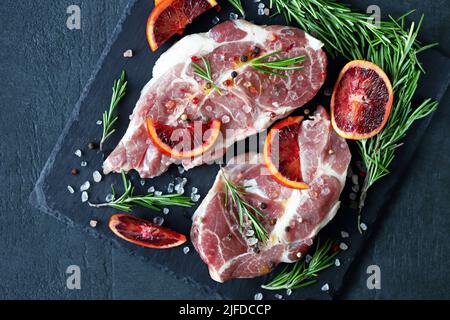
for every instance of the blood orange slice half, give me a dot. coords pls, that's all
(184, 142)
(282, 153)
(144, 233)
(361, 101)
(172, 16)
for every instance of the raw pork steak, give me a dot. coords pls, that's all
(248, 106)
(293, 217)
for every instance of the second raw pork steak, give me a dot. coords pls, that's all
(293, 217)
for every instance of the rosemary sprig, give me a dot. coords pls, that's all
(205, 73)
(393, 46)
(264, 65)
(246, 212)
(119, 90)
(303, 274)
(128, 200)
(238, 5)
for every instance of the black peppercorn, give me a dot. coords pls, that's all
(234, 74)
(256, 50)
(244, 58)
(263, 205)
(92, 145)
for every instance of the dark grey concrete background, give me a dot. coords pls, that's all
(43, 69)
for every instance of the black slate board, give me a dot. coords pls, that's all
(52, 197)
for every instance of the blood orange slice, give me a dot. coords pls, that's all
(172, 16)
(282, 153)
(361, 101)
(144, 233)
(183, 142)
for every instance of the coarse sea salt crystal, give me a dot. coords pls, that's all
(158, 220)
(186, 250)
(170, 187)
(142, 182)
(247, 108)
(337, 262)
(343, 246)
(84, 196)
(99, 122)
(355, 188)
(180, 190)
(78, 153)
(258, 296)
(93, 223)
(252, 241)
(128, 54)
(158, 193)
(355, 179)
(308, 258)
(363, 226)
(225, 119)
(278, 296)
(260, 11)
(84, 164)
(325, 287)
(194, 190)
(261, 5)
(151, 189)
(165, 210)
(266, 11)
(109, 197)
(345, 234)
(215, 20)
(180, 169)
(288, 292)
(97, 176)
(71, 190)
(250, 232)
(233, 16)
(85, 186)
(195, 197)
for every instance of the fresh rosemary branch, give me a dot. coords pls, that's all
(119, 90)
(264, 65)
(128, 200)
(238, 5)
(390, 44)
(246, 212)
(205, 73)
(303, 274)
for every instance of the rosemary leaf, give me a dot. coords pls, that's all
(128, 200)
(246, 212)
(264, 65)
(109, 119)
(205, 73)
(238, 5)
(303, 274)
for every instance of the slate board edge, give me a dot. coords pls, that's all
(38, 199)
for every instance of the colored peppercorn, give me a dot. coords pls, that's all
(234, 74)
(244, 58)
